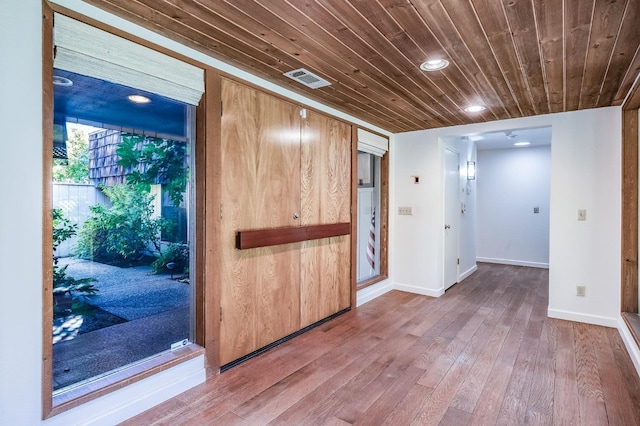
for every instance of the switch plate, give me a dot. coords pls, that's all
(581, 290)
(582, 214)
(405, 211)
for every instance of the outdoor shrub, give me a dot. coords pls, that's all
(63, 229)
(123, 233)
(63, 284)
(178, 254)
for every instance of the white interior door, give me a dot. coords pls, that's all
(451, 217)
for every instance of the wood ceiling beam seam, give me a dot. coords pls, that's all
(339, 30)
(622, 56)
(607, 18)
(436, 18)
(402, 41)
(578, 19)
(516, 57)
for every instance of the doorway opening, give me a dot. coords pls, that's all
(513, 197)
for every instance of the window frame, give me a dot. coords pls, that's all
(383, 217)
(629, 214)
(205, 247)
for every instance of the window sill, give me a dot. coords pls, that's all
(93, 389)
(370, 281)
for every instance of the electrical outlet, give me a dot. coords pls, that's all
(581, 290)
(405, 211)
(582, 214)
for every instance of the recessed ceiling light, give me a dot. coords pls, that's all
(523, 143)
(139, 99)
(62, 81)
(475, 108)
(434, 65)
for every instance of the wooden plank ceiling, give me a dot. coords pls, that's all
(516, 57)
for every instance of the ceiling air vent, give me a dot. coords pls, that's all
(307, 78)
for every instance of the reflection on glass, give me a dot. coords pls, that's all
(121, 236)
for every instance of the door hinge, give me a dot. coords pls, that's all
(220, 210)
(458, 261)
(220, 313)
(221, 105)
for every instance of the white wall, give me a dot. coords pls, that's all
(20, 212)
(417, 252)
(585, 174)
(21, 225)
(511, 182)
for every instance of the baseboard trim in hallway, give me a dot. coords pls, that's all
(580, 317)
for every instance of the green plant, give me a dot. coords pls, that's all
(64, 286)
(123, 233)
(176, 256)
(75, 168)
(155, 161)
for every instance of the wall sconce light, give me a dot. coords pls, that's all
(471, 170)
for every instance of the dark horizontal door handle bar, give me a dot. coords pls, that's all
(290, 234)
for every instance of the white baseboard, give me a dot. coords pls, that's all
(630, 343)
(376, 290)
(468, 272)
(513, 262)
(129, 401)
(586, 318)
(419, 290)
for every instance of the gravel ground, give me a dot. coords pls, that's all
(139, 315)
(129, 293)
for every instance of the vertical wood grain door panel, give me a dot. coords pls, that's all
(325, 195)
(260, 189)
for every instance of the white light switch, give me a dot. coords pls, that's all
(405, 210)
(582, 214)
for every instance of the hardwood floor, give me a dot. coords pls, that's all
(484, 353)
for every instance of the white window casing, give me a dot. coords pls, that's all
(86, 50)
(372, 143)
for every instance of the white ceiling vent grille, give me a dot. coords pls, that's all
(307, 78)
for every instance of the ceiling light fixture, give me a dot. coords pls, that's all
(523, 143)
(434, 65)
(139, 99)
(475, 108)
(62, 81)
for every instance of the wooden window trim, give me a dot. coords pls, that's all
(629, 226)
(629, 231)
(205, 246)
(371, 281)
(384, 219)
(633, 324)
(134, 373)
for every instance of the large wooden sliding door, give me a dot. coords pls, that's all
(260, 297)
(280, 170)
(325, 194)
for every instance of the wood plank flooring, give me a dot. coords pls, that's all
(484, 353)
